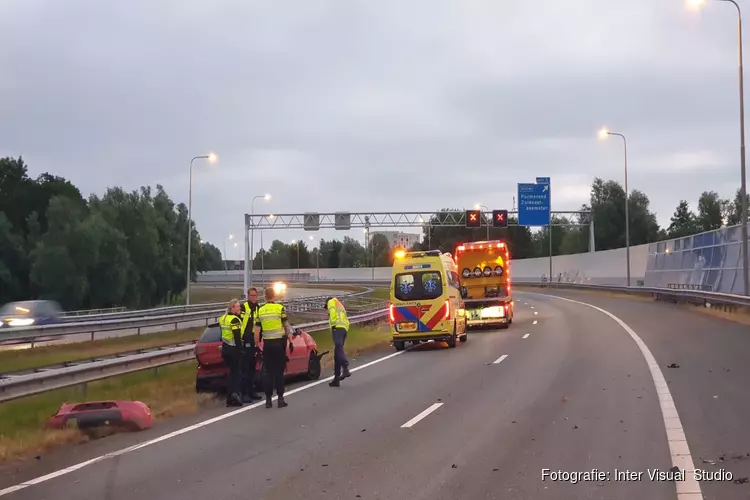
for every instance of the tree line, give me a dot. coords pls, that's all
(130, 248)
(118, 249)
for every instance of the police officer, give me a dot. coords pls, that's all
(231, 350)
(339, 324)
(249, 313)
(273, 324)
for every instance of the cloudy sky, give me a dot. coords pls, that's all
(370, 106)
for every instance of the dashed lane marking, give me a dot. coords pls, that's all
(422, 415)
(500, 359)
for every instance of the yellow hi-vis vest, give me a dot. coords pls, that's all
(269, 317)
(229, 324)
(337, 314)
(246, 315)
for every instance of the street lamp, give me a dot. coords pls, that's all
(697, 4)
(249, 246)
(603, 134)
(479, 207)
(211, 158)
(228, 237)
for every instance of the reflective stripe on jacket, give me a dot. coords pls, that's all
(230, 325)
(337, 314)
(270, 316)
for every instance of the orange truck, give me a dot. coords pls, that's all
(485, 283)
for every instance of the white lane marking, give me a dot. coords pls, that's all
(185, 430)
(678, 447)
(532, 307)
(536, 312)
(422, 415)
(526, 336)
(534, 323)
(526, 303)
(500, 359)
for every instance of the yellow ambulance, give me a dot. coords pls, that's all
(426, 299)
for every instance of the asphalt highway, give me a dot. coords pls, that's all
(566, 389)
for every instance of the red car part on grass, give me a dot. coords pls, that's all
(130, 414)
(212, 371)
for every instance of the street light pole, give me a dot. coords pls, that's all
(211, 158)
(603, 133)
(249, 256)
(488, 224)
(743, 178)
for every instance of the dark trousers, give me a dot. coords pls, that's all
(248, 371)
(233, 357)
(274, 364)
(339, 356)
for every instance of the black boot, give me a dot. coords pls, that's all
(281, 403)
(250, 398)
(269, 402)
(234, 400)
(335, 382)
(346, 373)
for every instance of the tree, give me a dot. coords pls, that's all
(683, 221)
(209, 257)
(608, 206)
(13, 263)
(711, 210)
(733, 210)
(66, 253)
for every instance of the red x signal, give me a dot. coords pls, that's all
(473, 218)
(500, 218)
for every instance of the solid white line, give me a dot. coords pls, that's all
(422, 415)
(525, 336)
(185, 430)
(500, 359)
(534, 323)
(678, 446)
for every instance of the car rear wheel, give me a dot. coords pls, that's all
(399, 345)
(452, 340)
(313, 366)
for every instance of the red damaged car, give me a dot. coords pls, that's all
(213, 372)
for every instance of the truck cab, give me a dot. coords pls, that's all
(485, 283)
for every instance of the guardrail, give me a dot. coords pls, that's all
(46, 333)
(89, 312)
(179, 309)
(20, 386)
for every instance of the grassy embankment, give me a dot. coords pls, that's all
(169, 392)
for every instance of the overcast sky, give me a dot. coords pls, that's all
(370, 106)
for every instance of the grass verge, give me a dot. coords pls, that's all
(169, 393)
(380, 293)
